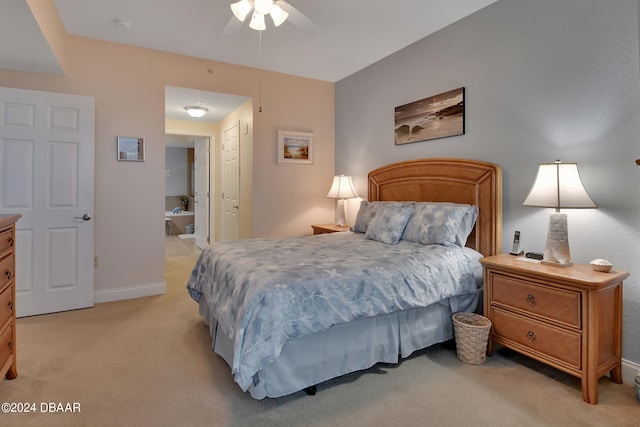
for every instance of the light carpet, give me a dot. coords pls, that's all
(148, 362)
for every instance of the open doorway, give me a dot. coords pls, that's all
(203, 137)
(187, 189)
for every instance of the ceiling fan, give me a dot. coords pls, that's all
(279, 11)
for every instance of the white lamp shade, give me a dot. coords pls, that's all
(558, 185)
(257, 22)
(342, 188)
(241, 9)
(196, 111)
(278, 15)
(263, 7)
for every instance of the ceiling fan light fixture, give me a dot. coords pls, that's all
(260, 8)
(263, 7)
(241, 9)
(278, 15)
(196, 110)
(257, 22)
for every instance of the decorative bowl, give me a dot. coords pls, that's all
(601, 265)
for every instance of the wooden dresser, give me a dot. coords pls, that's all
(7, 297)
(567, 317)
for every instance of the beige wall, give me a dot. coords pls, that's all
(128, 86)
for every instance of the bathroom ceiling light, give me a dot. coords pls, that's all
(196, 110)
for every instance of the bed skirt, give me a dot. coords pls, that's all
(348, 347)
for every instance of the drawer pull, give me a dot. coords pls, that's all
(531, 336)
(10, 304)
(10, 344)
(10, 240)
(8, 274)
(531, 300)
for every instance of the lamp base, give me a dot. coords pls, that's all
(557, 250)
(341, 215)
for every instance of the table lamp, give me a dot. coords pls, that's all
(341, 189)
(558, 185)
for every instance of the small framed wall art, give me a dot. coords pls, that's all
(130, 149)
(295, 148)
(435, 117)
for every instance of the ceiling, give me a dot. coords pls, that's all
(339, 38)
(218, 104)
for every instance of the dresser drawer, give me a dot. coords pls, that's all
(7, 270)
(550, 341)
(6, 305)
(556, 304)
(6, 345)
(7, 241)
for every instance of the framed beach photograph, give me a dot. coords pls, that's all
(438, 116)
(295, 148)
(130, 149)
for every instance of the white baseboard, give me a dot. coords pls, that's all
(130, 293)
(629, 372)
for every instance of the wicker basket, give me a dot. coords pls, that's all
(472, 333)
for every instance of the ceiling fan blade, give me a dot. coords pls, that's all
(232, 27)
(298, 19)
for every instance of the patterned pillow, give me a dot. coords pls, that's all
(368, 210)
(388, 223)
(447, 224)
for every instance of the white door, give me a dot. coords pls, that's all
(231, 183)
(47, 161)
(201, 146)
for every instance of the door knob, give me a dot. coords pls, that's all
(85, 217)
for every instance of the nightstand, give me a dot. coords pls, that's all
(328, 228)
(569, 318)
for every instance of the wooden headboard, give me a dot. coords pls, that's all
(448, 180)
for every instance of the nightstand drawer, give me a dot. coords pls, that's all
(7, 270)
(546, 340)
(321, 231)
(555, 304)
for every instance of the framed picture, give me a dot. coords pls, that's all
(295, 148)
(131, 149)
(435, 117)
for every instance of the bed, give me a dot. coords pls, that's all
(289, 313)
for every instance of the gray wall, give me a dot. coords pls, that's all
(545, 80)
(176, 163)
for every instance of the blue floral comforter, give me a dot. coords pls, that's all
(264, 292)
